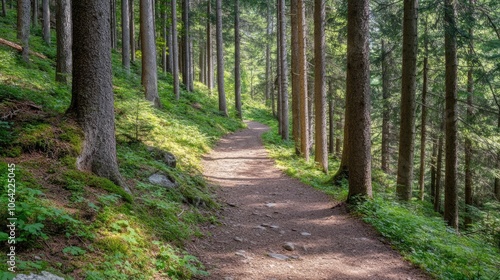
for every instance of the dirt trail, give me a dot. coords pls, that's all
(266, 209)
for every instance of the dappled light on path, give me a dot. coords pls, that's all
(274, 227)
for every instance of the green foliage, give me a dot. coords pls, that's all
(413, 228)
(74, 251)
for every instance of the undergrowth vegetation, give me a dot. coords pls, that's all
(414, 229)
(82, 226)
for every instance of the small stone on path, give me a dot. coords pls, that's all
(239, 239)
(304, 233)
(289, 246)
(278, 256)
(270, 205)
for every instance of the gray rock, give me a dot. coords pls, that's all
(271, 205)
(278, 256)
(44, 276)
(304, 233)
(239, 239)
(161, 180)
(289, 246)
(167, 157)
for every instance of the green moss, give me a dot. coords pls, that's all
(113, 244)
(91, 180)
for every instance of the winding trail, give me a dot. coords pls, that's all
(266, 209)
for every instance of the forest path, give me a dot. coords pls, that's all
(266, 209)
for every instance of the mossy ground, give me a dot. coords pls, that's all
(82, 226)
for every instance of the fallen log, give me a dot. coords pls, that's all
(20, 48)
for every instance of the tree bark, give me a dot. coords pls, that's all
(220, 61)
(268, 52)
(321, 153)
(439, 167)
(451, 194)
(23, 26)
(34, 9)
(164, 36)
(331, 118)
(132, 31)
(64, 41)
(175, 50)
(470, 112)
(125, 36)
(4, 8)
(92, 86)
(278, 68)
(423, 133)
(113, 24)
(386, 114)
(338, 140)
(46, 21)
(302, 81)
(284, 71)
(210, 67)
(170, 64)
(408, 88)
(237, 74)
(148, 42)
(358, 99)
(433, 167)
(186, 74)
(295, 75)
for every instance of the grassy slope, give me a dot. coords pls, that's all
(82, 226)
(414, 229)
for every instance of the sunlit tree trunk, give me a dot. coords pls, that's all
(423, 122)
(268, 52)
(210, 69)
(175, 50)
(284, 71)
(125, 35)
(358, 99)
(132, 30)
(331, 118)
(148, 42)
(23, 26)
(92, 86)
(237, 74)
(295, 75)
(450, 184)
(408, 88)
(220, 60)
(321, 153)
(186, 68)
(386, 114)
(302, 80)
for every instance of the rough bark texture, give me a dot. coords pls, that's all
(148, 42)
(164, 36)
(175, 50)
(302, 80)
(450, 42)
(331, 118)
(338, 140)
(295, 76)
(439, 168)
(170, 64)
(114, 37)
(278, 69)
(284, 72)
(92, 86)
(433, 167)
(408, 88)
(423, 121)
(132, 30)
(386, 114)
(46, 21)
(237, 74)
(220, 61)
(64, 41)
(125, 35)
(358, 99)
(210, 67)
(321, 153)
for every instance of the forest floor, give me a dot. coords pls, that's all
(275, 227)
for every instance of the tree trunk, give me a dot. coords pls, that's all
(113, 24)
(186, 73)
(321, 153)
(386, 114)
(164, 35)
(439, 167)
(302, 80)
(331, 117)
(92, 86)
(170, 64)
(132, 31)
(423, 134)
(46, 21)
(64, 41)
(358, 99)
(34, 9)
(210, 68)
(220, 61)
(268, 52)
(450, 191)
(4, 8)
(23, 26)
(295, 76)
(284, 71)
(201, 61)
(148, 42)
(125, 36)
(496, 189)
(278, 68)
(470, 112)
(175, 50)
(408, 88)
(433, 167)
(237, 74)
(338, 140)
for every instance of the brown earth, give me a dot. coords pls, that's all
(264, 209)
